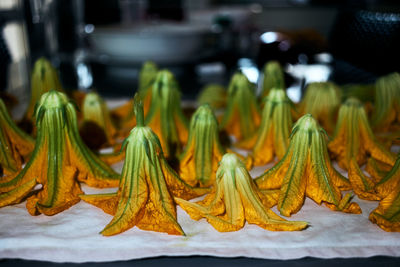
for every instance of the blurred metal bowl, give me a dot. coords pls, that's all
(163, 43)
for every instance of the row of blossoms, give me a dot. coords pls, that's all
(171, 156)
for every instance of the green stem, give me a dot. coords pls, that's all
(139, 111)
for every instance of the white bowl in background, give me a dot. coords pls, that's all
(162, 43)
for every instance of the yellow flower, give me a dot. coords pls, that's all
(59, 161)
(390, 181)
(386, 114)
(214, 95)
(353, 137)
(241, 117)
(364, 92)
(321, 100)
(235, 200)
(379, 185)
(377, 168)
(97, 122)
(387, 214)
(44, 78)
(147, 182)
(125, 114)
(306, 170)
(273, 77)
(147, 76)
(272, 137)
(363, 186)
(165, 116)
(199, 161)
(15, 145)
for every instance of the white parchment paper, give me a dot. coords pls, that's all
(73, 236)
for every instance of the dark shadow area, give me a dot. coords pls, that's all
(195, 261)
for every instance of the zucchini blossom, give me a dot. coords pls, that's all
(321, 100)
(199, 161)
(353, 137)
(144, 198)
(379, 185)
(386, 114)
(165, 116)
(15, 145)
(147, 76)
(363, 186)
(214, 95)
(387, 214)
(272, 137)
(242, 116)
(125, 113)
(43, 79)
(97, 121)
(58, 162)
(235, 200)
(306, 170)
(273, 77)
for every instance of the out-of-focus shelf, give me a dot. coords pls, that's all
(10, 15)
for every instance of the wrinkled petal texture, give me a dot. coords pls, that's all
(95, 110)
(15, 145)
(242, 116)
(165, 116)
(363, 186)
(144, 198)
(236, 200)
(199, 161)
(321, 100)
(43, 79)
(386, 114)
(387, 215)
(59, 160)
(272, 137)
(273, 77)
(306, 170)
(353, 137)
(391, 181)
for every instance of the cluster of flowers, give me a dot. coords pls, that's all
(170, 160)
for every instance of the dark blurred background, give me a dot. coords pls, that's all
(103, 43)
